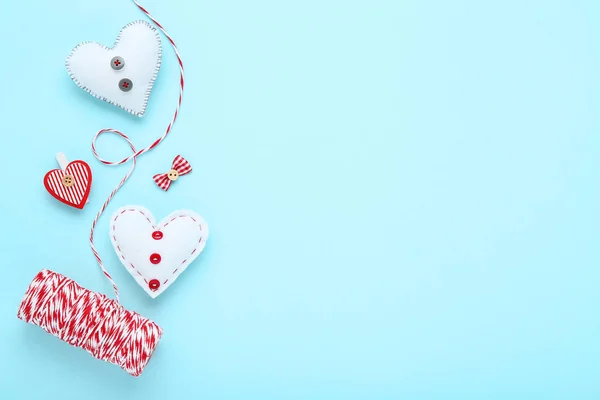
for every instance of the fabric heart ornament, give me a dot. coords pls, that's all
(72, 185)
(124, 74)
(156, 254)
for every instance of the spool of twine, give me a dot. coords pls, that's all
(92, 321)
(87, 319)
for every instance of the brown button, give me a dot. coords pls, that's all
(68, 181)
(173, 175)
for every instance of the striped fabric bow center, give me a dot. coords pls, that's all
(180, 167)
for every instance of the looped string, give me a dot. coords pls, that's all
(135, 153)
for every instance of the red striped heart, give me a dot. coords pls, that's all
(71, 186)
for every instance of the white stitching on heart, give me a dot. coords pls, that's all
(148, 91)
(153, 227)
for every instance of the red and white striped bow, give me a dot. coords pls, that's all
(180, 167)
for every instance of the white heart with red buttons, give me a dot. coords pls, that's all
(156, 254)
(124, 74)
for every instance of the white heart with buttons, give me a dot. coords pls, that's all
(156, 254)
(124, 74)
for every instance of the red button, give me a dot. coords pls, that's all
(157, 235)
(155, 258)
(154, 284)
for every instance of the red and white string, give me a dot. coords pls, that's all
(90, 320)
(135, 153)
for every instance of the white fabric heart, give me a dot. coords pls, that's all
(139, 45)
(156, 254)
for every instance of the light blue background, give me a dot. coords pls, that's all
(403, 198)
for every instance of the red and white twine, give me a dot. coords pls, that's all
(136, 153)
(90, 320)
